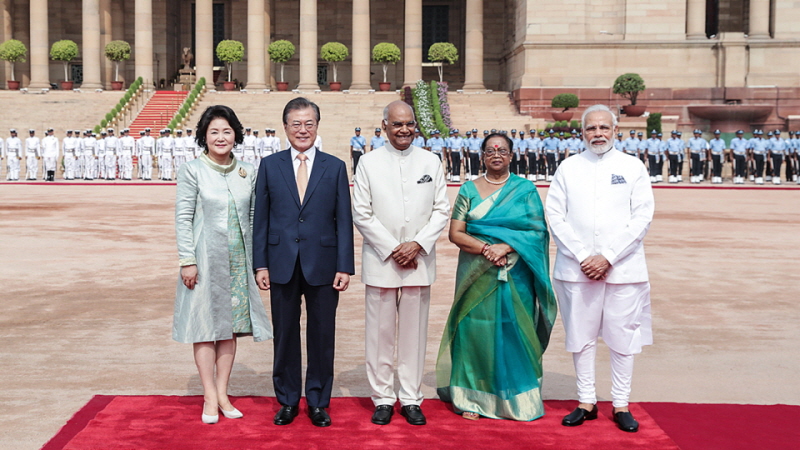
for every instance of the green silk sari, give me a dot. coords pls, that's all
(490, 358)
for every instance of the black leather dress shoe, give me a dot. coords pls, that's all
(319, 417)
(413, 414)
(578, 416)
(626, 422)
(286, 415)
(383, 414)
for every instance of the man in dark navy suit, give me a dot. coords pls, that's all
(303, 247)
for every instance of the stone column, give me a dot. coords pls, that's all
(6, 33)
(105, 37)
(759, 19)
(696, 19)
(40, 46)
(143, 42)
(308, 45)
(117, 33)
(267, 40)
(412, 56)
(361, 46)
(90, 53)
(255, 45)
(204, 41)
(473, 54)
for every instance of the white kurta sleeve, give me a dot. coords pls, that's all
(373, 231)
(556, 211)
(642, 209)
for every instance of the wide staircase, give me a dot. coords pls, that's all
(341, 113)
(60, 110)
(158, 111)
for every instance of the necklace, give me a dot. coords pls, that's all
(496, 182)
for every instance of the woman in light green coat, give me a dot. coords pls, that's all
(217, 298)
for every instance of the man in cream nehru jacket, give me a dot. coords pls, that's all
(600, 205)
(400, 206)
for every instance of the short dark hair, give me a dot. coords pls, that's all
(504, 136)
(299, 103)
(218, 112)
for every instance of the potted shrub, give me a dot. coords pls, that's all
(565, 101)
(628, 86)
(117, 51)
(279, 52)
(65, 51)
(333, 52)
(13, 51)
(385, 53)
(229, 52)
(442, 52)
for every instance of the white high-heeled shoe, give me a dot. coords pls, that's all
(210, 419)
(235, 414)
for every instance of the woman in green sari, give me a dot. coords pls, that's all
(490, 359)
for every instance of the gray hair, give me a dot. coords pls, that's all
(595, 108)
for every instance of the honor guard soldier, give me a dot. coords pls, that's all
(473, 144)
(651, 150)
(419, 140)
(738, 149)
(377, 141)
(642, 147)
(2, 153)
(266, 143)
(778, 150)
(168, 146)
(13, 155)
(33, 152)
(550, 146)
(179, 152)
(249, 145)
(101, 155)
(89, 156)
(758, 153)
(190, 143)
(698, 148)
(465, 156)
(521, 154)
(80, 161)
(456, 147)
(540, 157)
(681, 156)
(126, 145)
(717, 147)
(631, 145)
(50, 155)
(674, 149)
(514, 152)
(146, 159)
(531, 154)
(618, 145)
(768, 159)
(795, 157)
(574, 144)
(113, 150)
(258, 149)
(435, 144)
(357, 145)
(137, 153)
(68, 150)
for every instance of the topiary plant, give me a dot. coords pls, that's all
(334, 52)
(565, 101)
(117, 51)
(279, 52)
(229, 52)
(13, 51)
(385, 53)
(628, 86)
(443, 52)
(64, 50)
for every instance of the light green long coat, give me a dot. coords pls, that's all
(204, 314)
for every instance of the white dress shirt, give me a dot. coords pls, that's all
(310, 153)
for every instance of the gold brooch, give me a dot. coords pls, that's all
(242, 172)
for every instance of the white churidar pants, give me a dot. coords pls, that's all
(621, 375)
(387, 311)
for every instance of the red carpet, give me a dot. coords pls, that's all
(158, 422)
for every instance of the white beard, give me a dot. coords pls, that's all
(599, 149)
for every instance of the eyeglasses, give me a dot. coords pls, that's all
(399, 125)
(296, 126)
(498, 151)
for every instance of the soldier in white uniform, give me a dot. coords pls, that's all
(137, 152)
(167, 147)
(192, 152)
(146, 156)
(400, 206)
(600, 205)
(179, 151)
(127, 144)
(80, 164)
(33, 152)
(89, 155)
(13, 154)
(113, 150)
(249, 146)
(101, 155)
(50, 155)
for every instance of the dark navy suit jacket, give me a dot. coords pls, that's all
(319, 231)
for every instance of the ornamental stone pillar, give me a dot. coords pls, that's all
(39, 47)
(473, 54)
(696, 20)
(361, 46)
(90, 53)
(308, 45)
(143, 42)
(255, 45)
(107, 72)
(759, 19)
(204, 41)
(412, 56)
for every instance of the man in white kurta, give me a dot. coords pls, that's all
(400, 206)
(600, 205)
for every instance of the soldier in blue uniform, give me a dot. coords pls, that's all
(717, 147)
(456, 146)
(474, 152)
(631, 145)
(778, 149)
(739, 147)
(357, 145)
(419, 140)
(550, 146)
(521, 154)
(651, 150)
(698, 148)
(758, 153)
(377, 141)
